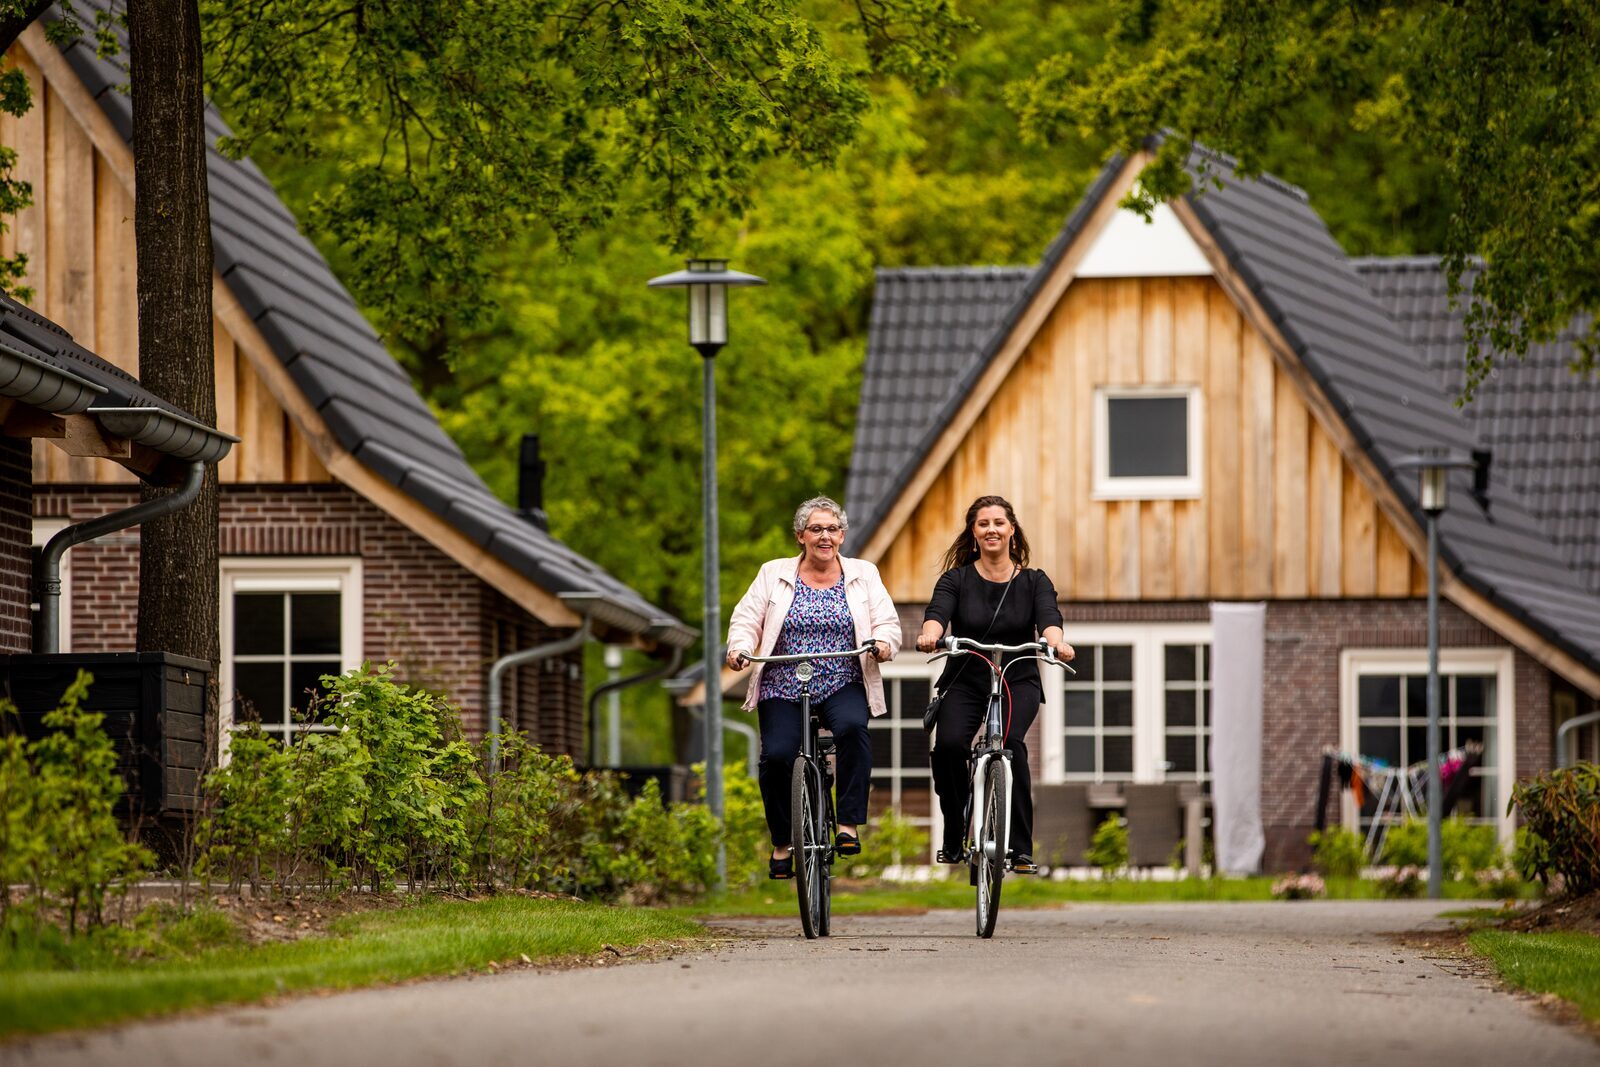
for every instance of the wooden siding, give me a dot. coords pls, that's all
(78, 236)
(1280, 514)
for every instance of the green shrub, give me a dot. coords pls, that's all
(246, 829)
(75, 793)
(1108, 849)
(1464, 848)
(23, 847)
(744, 824)
(891, 840)
(1402, 882)
(511, 827)
(1529, 853)
(1338, 852)
(1562, 807)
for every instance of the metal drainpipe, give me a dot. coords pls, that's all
(618, 685)
(1567, 728)
(47, 635)
(516, 659)
(749, 732)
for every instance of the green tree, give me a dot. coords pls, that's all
(1497, 95)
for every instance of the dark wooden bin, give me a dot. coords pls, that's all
(154, 707)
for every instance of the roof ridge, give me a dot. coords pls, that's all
(987, 269)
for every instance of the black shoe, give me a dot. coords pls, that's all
(951, 855)
(1022, 863)
(780, 869)
(846, 844)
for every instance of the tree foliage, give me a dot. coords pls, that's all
(1498, 95)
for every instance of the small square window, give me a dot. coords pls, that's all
(1147, 443)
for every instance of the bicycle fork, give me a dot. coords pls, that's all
(980, 798)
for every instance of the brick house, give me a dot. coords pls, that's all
(1207, 408)
(352, 528)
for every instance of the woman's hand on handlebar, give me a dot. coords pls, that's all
(738, 659)
(880, 650)
(928, 639)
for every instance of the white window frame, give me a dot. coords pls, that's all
(916, 667)
(43, 530)
(310, 574)
(1355, 662)
(1149, 693)
(1186, 487)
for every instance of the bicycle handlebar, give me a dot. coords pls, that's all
(961, 646)
(805, 657)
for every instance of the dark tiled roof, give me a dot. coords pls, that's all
(1541, 421)
(336, 359)
(927, 327)
(1362, 359)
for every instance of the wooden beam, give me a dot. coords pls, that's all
(1016, 343)
(26, 421)
(85, 437)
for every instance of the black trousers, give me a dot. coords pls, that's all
(960, 718)
(845, 713)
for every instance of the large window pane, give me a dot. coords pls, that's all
(1116, 663)
(1181, 753)
(1080, 707)
(913, 747)
(914, 694)
(1179, 662)
(305, 685)
(1080, 755)
(260, 696)
(1148, 436)
(1180, 707)
(1119, 754)
(257, 624)
(882, 748)
(1116, 707)
(314, 624)
(1378, 696)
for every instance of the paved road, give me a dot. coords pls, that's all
(1308, 983)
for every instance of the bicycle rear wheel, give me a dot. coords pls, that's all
(990, 859)
(810, 875)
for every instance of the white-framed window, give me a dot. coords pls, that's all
(1383, 714)
(901, 775)
(1147, 442)
(43, 530)
(284, 624)
(1138, 710)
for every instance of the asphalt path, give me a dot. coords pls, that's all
(1304, 983)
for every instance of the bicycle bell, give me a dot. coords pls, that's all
(803, 671)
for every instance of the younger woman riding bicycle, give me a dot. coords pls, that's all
(988, 593)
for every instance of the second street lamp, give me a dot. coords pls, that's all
(708, 281)
(1433, 466)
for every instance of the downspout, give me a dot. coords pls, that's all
(516, 659)
(1567, 728)
(623, 683)
(749, 732)
(47, 633)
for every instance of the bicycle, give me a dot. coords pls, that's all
(813, 824)
(987, 815)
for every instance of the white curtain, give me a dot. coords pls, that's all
(1238, 646)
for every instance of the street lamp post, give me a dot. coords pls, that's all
(708, 281)
(1433, 466)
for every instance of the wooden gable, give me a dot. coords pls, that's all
(1282, 512)
(79, 239)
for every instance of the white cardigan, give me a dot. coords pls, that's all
(759, 615)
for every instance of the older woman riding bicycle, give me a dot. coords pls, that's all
(818, 601)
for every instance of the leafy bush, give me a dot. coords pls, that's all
(744, 824)
(1404, 881)
(246, 829)
(1338, 852)
(76, 786)
(1108, 848)
(1464, 848)
(22, 840)
(1562, 809)
(889, 841)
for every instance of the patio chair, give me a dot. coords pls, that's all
(1062, 824)
(1155, 823)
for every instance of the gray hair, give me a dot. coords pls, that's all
(802, 514)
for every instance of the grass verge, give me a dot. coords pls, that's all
(370, 948)
(1565, 963)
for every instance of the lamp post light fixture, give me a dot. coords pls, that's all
(708, 281)
(1433, 467)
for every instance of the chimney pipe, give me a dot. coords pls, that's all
(530, 483)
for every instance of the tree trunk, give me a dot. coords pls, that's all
(172, 228)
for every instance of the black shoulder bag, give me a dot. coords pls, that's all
(930, 715)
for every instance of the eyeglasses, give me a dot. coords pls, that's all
(818, 531)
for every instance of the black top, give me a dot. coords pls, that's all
(964, 601)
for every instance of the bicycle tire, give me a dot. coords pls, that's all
(807, 851)
(830, 828)
(991, 860)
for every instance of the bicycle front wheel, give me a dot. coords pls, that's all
(810, 850)
(990, 860)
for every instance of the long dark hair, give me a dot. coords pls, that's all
(964, 549)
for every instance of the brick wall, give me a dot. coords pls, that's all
(16, 539)
(441, 624)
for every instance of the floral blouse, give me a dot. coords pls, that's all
(818, 621)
